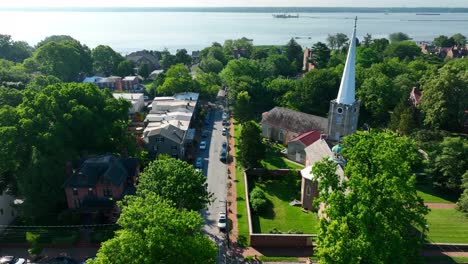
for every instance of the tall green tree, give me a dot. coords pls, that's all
(143, 70)
(445, 96)
(294, 54)
(398, 36)
(251, 147)
(402, 119)
(243, 107)
(374, 215)
(167, 60)
(105, 60)
(183, 57)
(53, 38)
(177, 80)
(403, 50)
(177, 181)
(462, 203)
(279, 65)
(449, 163)
(125, 68)
(15, 51)
(211, 64)
(320, 55)
(367, 41)
(459, 39)
(153, 231)
(40, 82)
(443, 41)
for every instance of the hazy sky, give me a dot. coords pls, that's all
(223, 3)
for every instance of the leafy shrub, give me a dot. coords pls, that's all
(275, 230)
(295, 231)
(102, 235)
(33, 239)
(257, 193)
(259, 205)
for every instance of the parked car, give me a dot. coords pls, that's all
(224, 115)
(12, 260)
(205, 133)
(224, 132)
(223, 155)
(203, 145)
(199, 163)
(222, 221)
(224, 146)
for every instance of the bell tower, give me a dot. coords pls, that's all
(344, 110)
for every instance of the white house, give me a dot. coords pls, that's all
(136, 99)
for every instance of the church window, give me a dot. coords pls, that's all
(339, 110)
(308, 190)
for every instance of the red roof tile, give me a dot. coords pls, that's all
(308, 138)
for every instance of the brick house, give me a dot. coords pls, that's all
(130, 83)
(100, 181)
(114, 83)
(282, 124)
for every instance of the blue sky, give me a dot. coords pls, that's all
(224, 3)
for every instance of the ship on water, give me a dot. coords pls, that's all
(285, 16)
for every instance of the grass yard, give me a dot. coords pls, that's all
(242, 221)
(275, 160)
(281, 216)
(432, 195)
(444, 260)
(447, 226)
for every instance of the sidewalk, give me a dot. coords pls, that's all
(232, 194)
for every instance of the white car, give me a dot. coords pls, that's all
(203, 145)
(224, 131)
(12, 260)
(222, 221)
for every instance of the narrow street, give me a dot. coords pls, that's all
(216, 172)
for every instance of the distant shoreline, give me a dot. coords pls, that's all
(245, 9)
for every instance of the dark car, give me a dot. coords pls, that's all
(223, 155)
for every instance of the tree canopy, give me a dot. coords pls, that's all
(251, 147)
(105, 60)
(15, 51)
(153, 231)
(398, 36)
(373, 216)
(177, 79)
(177, 181)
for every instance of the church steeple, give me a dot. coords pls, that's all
(346, 94)
(344, 111)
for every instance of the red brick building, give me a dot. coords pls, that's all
(100, 181)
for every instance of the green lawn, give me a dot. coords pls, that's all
(447, 226)
(432, 195)
(275, 160)
(282, 216)
(242, 221)
(444, 259)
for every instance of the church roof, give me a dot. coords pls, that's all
(308, 138)
(294, 121)
(346, 94)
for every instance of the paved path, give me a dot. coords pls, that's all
(232, 190)
(440, 205)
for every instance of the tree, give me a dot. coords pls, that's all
(61, 60)
(398, 36)
(177, 181)
(106, 60)
(153, 231)
(279, 65)
(125, 68)
(278, 88)
(56, 125)
(444, 97)
(379, 45)
(366, 56)
(462, 203)
(443, 41)
(341, 40)
(211, 65)
(320, 55)
(367, 40)
(53, 38)
(167, 60)
(251, 147)
(403, 50)
(449, 164)
(10, 96)
(15, 51)
(401, 119)
(459, 39)
(209, 83)
(377, 202)
(143, 70)
(314, 92)
(40, 82)
(243, 107)
(294, 54)
(183, 57)
(378, 96)
(177, 80)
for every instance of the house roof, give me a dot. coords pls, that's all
(137, 56)
(166, 130)
(92, 79)
(294, 121)
(130, 78)
(102, 167)
(308, 138)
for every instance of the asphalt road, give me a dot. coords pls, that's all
(216, 172)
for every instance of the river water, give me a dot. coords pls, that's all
(129, 31)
